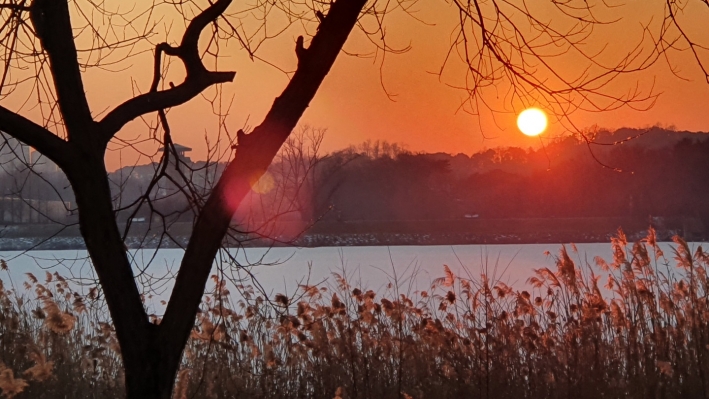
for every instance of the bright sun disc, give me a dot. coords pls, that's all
(532, 121)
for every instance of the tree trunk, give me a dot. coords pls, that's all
(151, 354)
(149, 377)
(254, 154)
(137, 336)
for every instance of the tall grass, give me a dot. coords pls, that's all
(643, 334)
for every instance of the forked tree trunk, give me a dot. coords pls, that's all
(149, 379)
(137, 337)
(254, 154)
(152, 353)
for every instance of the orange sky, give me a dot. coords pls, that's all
(425, 115)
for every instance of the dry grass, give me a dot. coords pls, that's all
(644, 334)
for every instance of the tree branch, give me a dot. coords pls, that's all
(154, 101)
(15, 7)
(53, 27)
(34, 135)
(197, 80)
(254, 153)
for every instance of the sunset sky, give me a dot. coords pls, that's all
(425, 112)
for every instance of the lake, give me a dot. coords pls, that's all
(281, 270)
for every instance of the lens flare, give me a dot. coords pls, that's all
(263, 185)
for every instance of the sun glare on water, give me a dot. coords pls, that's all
(532, 121)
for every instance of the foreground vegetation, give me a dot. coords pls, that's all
(643, 333)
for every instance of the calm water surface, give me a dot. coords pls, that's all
(280, 270)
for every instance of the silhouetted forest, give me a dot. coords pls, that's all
(658, 173)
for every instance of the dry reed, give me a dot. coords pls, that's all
(644, 333)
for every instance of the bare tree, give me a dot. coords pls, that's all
(283, 203)
(297, 171)
(151, 353)
(49, 45)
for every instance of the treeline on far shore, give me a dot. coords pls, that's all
(658, 178)
(660, 174)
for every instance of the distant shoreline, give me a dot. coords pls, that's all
(333, 234)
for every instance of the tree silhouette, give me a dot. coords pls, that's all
(49, 45)
(151, 353)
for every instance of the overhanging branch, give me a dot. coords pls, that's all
(52, 23)
(197, 80)
(36, 136)
(254, 153)
(154, 101)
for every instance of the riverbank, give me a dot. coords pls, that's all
(370, 233)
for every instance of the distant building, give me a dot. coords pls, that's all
(31, 188)
(41, 164)
(14, 155)
(16, 210)
(181, 150)
(165, 187)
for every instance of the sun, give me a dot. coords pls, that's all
(532, 121)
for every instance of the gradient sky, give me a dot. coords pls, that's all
(425, 114)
